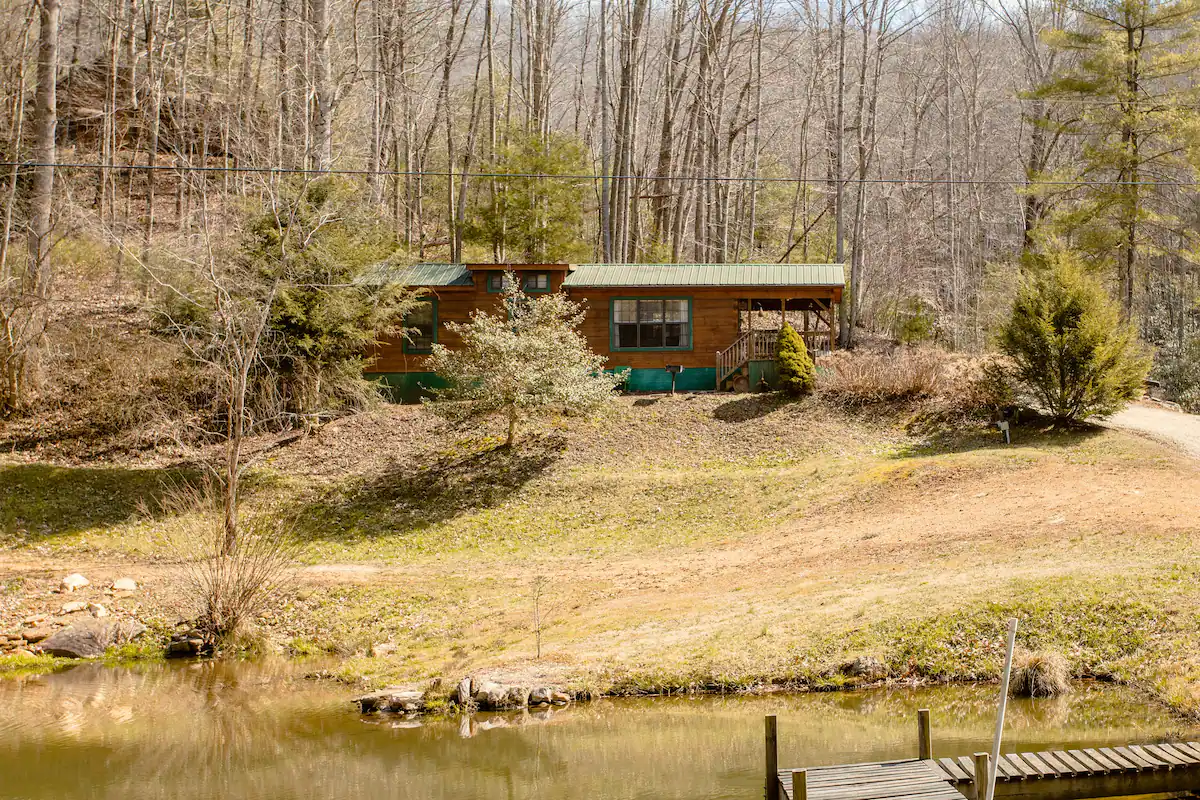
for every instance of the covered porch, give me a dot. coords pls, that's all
(750, 359)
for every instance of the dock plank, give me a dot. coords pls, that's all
(1035, 759)
(1070, 761)
(1104, 761)
(953, 770)
(1163, 755)
(1188, 758)
(1027, 770)
(1129, 763)
(1089, 764)
(1190, 748)
(1059, 765)
(1149, 758)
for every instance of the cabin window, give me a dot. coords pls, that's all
(537, 282)
(652, 324)
(495, 282)
(420, 327)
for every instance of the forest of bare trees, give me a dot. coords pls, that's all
(930, 144)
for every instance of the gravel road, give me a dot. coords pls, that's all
(1174, 427)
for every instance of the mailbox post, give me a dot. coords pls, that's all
(674, 370)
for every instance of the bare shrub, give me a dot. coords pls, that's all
(223, 589)
(864, 379)
(1041, 674)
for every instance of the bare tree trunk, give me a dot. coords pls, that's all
(323, 89)
(45, 120)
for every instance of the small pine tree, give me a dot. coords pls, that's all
(525, 359)
(796, 373)
(1070, 348)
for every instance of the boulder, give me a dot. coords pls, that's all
(25, 653)
(74, 607)
(497, 697)
(540, 696)
(124, 585)
(868, 667)
(489, 695)
(35, 635)
(559, 698)
(98, 611)
(73, 582)
(90, 638)
(393, 700)
(464, 692)
(186, 644)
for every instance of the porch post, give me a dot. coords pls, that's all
(782, 313)
(832, 329)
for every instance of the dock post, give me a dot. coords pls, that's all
(924, 735)
(799, 784)
(981, 775)
(772, 777)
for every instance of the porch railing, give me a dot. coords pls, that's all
(750, 346)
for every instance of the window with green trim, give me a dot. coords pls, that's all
(420, 327)
(495, 282)
(652, 324)
(537, 281)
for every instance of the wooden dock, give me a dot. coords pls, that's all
(1048, 775)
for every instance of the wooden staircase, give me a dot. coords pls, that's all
(734, 361)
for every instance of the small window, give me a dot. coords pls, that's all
(420, 328)
(495, 282)
(652, 324)
(537, 282)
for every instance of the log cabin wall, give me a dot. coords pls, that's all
(715, 322)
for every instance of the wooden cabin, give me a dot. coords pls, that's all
(718, 322)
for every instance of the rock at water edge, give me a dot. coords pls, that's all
(90, 638)
(464, 692)
(394, 700)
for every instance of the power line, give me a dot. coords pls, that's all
(27, 165)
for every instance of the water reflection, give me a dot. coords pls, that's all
(257, 731)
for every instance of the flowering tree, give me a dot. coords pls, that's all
(525, 359)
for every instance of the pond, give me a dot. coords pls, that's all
(259, 730)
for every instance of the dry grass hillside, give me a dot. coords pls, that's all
(694, 541)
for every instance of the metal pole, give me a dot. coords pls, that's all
(995, 759)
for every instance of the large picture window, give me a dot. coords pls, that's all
(652, 324)
(420, 325)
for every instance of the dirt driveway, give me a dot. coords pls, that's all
(1173, 427)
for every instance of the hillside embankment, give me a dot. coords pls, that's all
(673, 543)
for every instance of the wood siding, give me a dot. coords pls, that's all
(714, 321)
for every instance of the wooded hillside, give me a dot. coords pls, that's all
(932, 145)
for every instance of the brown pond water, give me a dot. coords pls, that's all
(257, 731)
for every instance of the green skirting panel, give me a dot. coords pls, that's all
(697, 379)
(763, 371)
(410, 387)
(406, 387)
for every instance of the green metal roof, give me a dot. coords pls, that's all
(633, 275)
(417, 275)
(783, 275)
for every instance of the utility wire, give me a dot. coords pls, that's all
(27, 165)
